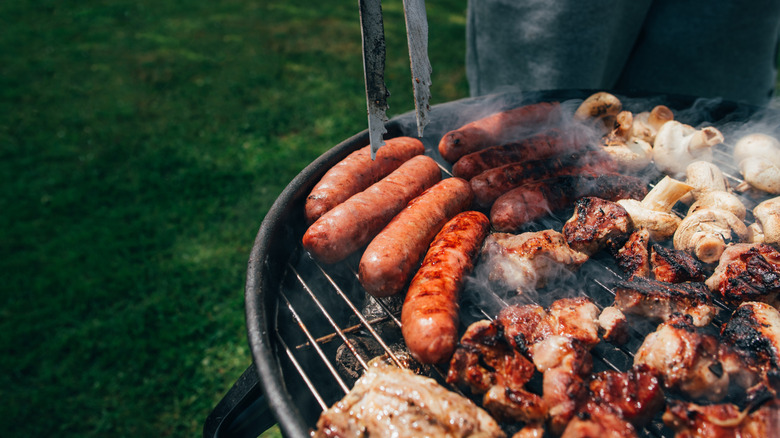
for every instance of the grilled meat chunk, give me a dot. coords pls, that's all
(635, 395)
(750, 348)
(675, 266)
(634, 257)
(747, 272)
(659, 300)
(388, 401)
(725, 420)
(486, 364)
(595, 223)
(599, 423)
(685, 357)
(614, 325)
(526, 261)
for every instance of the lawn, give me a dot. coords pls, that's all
(142, 143)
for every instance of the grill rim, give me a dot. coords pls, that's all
(269, 253)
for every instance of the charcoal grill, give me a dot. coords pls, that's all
(311, 327)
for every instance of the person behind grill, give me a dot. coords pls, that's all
(723, 48)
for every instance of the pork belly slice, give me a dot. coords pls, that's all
(685, 357)
(750, 349)
(633, 257)
(486, 364)
(388, 401)
(595, 224)
(747, 272)
(689, 420)
(659, 300)
(674, 266)
(527, 261)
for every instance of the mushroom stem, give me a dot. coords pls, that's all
(665, 194)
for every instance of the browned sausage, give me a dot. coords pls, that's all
(429, 316)
(357, 172)
(548, 144)
(389, 260)
(353, 223)
(496, 129)
(492, 183)
(528, 203)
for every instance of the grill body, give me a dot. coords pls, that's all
(311, 328)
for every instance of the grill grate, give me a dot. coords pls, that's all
(335, 328)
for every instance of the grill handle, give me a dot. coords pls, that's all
(242, 412)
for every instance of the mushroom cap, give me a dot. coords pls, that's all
(705, 233)
(761, 174)
(677, 145)
(720, 200)
(757, 144)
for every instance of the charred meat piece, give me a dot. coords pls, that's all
(389, 401)
(486, 364)
(690, 420)
(599, 423)
(534, 201)
(675, 266)
(595, 223)
(659, 300)
(634, 257)
(750, 348)
(685, 357)
(527, 261)
(575, 318)
(525, 325)
(747, 272)
(635, 395)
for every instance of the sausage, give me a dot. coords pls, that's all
(389, 260)
(528, 203)
(357, 172)
(353, 223)
(496, 129)
(429, 315)
(548, 144)
(492, 183)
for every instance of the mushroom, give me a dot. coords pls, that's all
(720, 200)
(630, 153)
(647, 123)
(601, 106)
(767, 215)
(705, 233)
(758, 156)
(677, 145)
(654, 212)
(704, 177)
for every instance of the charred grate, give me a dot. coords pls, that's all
(327, 328)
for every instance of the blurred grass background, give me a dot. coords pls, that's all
(142, 142)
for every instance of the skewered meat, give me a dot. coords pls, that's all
(357, 172)
(527, 325)
(674, 266)
(635, 395)
(750, 349)
(658, 300)
(575, 318)
(429, 316)
(546, 145)
(492, 183)
(497, 129)
(487, 364)
(684, 356)
(352, 224)
(526, 261)
(725, 420)
(614, 325)
(596, 222)
(390, 402)
(389, 260)
(705, 233)
(747, 272)
(522, 205)
(634, 257)
(599, 423)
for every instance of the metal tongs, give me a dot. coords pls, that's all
(374, 52)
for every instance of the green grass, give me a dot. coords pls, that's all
(141, 144)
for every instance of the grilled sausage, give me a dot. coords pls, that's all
(548, 144)
(496, 129)
(429, 316)
(534, 201)
(492, 183)
(353, 223)
(389, 260)
(357, 172)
